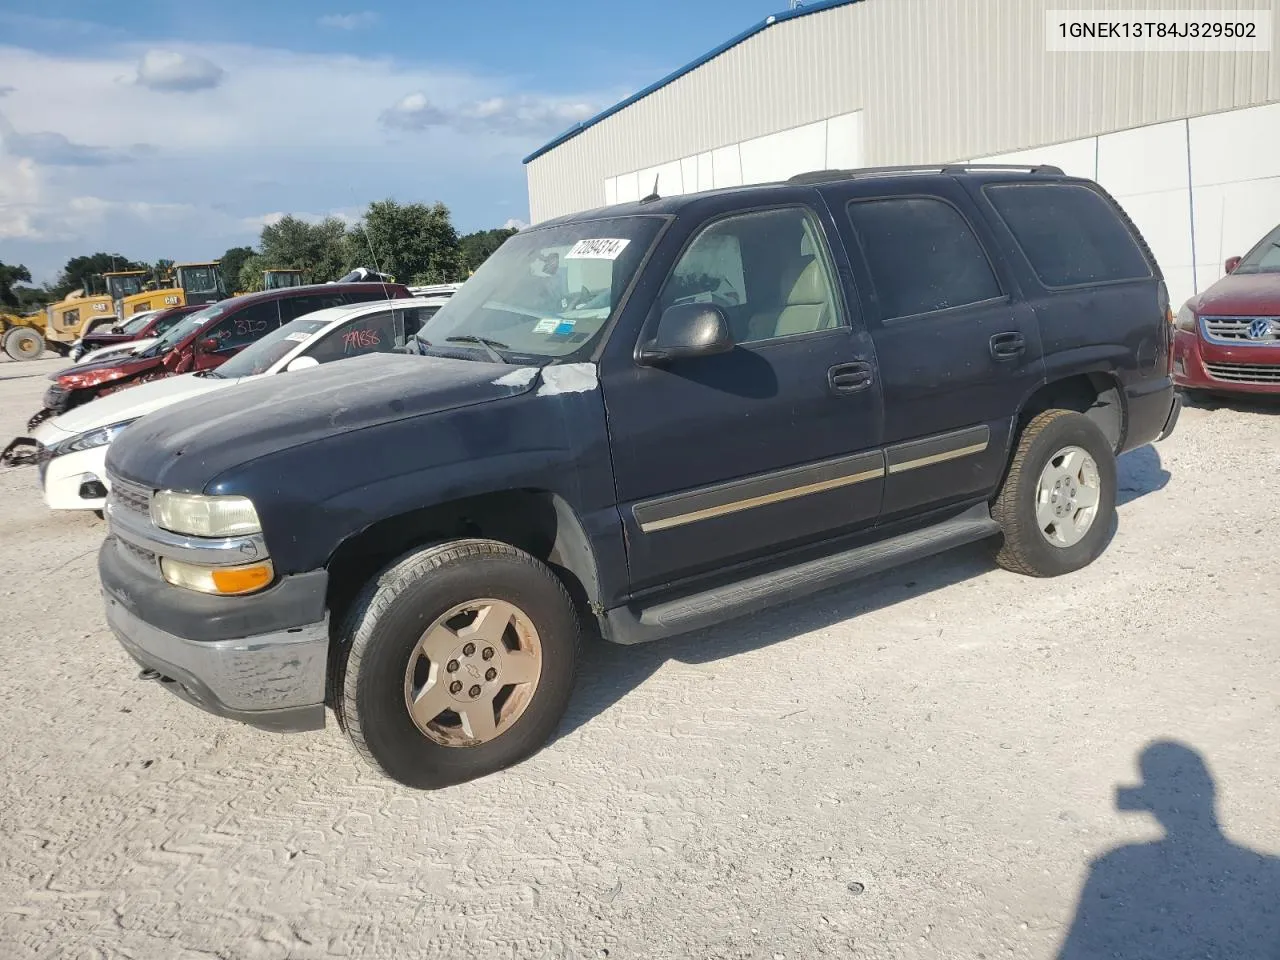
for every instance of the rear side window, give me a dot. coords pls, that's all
(293, 307)
(923, 256)
(1071, 234)
(246, 325)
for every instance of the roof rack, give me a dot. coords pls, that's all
(824, 176)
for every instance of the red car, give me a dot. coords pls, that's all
(1228, 338)
(203, 340)
(152, 324)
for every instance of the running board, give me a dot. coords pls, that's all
(628, 625)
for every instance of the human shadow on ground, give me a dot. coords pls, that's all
(1192, 894)
(608, 672)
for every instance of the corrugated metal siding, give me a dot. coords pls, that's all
(937, 79)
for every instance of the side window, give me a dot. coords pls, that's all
(245, 326)
(293, 307)
(361, 296)
(413, 320)
(1071, 234)
(768, 271)
(369, 334)
(923, 255)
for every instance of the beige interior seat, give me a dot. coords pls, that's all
(805, 304)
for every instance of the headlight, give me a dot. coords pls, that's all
(200, 516)
(93, 438)
(1186, 320)
(223, 581)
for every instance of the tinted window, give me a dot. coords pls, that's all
(1070, 233)
(415, 317)
(1264, 258)
(291, 307)
(767, 271)
(923, 256)
(247, 325)
(375, 333)
(166, 322)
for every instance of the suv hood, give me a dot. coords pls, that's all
(130, 404)
(1241, 294)
(188, 445)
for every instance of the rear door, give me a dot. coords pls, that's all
(957, 350)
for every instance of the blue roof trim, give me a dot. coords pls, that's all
(817, 6)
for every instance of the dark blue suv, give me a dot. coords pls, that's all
(647, 419)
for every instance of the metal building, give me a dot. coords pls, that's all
(1188, 142)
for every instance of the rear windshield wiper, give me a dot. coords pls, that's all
(483, 342)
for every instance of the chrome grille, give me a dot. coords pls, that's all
(1264, 373)
(130, 496)
(1235, 330)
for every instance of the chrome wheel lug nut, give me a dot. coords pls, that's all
(469, 649)
(488, 653)
(474, 691)
(452, 666)
(490, 673)
(455, 687)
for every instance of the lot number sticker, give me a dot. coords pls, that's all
(601, 248)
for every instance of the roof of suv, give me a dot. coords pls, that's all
(352, 310)
(286, 293)
(665, 206)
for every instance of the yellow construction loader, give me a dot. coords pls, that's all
(194, 283)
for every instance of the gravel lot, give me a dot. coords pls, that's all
(921, 765)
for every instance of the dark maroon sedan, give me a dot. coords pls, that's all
(152, 324)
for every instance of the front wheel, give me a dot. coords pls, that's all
(1058, 501)
(457, 661)
(23, 343)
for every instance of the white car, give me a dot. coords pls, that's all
(72, 448)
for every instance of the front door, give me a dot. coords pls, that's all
(734, 457)
(237, 331)
(957, 351)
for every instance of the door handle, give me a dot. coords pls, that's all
(849, 377)
(1008, 346)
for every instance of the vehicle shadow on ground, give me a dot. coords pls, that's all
(609, 672)
(1243, 403)
(1192, 893)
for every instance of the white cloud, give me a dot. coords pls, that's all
(349, 21)
(170, 70)
(232, 157)
(519, 115)
(514, 224)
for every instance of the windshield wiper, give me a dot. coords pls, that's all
(483, 342)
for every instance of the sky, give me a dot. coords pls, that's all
(178, 130)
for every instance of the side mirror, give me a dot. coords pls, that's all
(688, 330)
(1231, 264)
(302, 363)
(207, 345)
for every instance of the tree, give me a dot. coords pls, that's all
(81, 270)
(8, 277)
(232, 261)
(413, 242)
(477, 247)
(317, 248)
(249, 279)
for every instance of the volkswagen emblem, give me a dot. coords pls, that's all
(1262, 329)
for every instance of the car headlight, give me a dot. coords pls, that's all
(200, 516)
(91, 438)
(1186, 320)
(221, 581)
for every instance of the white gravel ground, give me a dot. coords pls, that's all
(922, 765)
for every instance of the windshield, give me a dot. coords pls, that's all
(120, 287)
(258, 357)
(1264, 258)
(189, 325)
(136, 323)
(545, 294)
(200, 280)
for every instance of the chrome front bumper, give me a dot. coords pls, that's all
(275, 681)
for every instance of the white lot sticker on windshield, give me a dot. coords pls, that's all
(601, 248)
(547, 325)
(298, 337)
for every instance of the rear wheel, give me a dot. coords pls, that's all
(1058, 501)
(23, 343)
(458, 661)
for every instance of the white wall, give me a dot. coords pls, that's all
(1221, 172)
(831, 144)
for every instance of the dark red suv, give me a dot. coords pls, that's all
(203, 340)
(153, 324)
(1228, 338)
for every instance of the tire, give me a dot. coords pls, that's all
(24, 343)
(1027, 547)
(379, 642)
